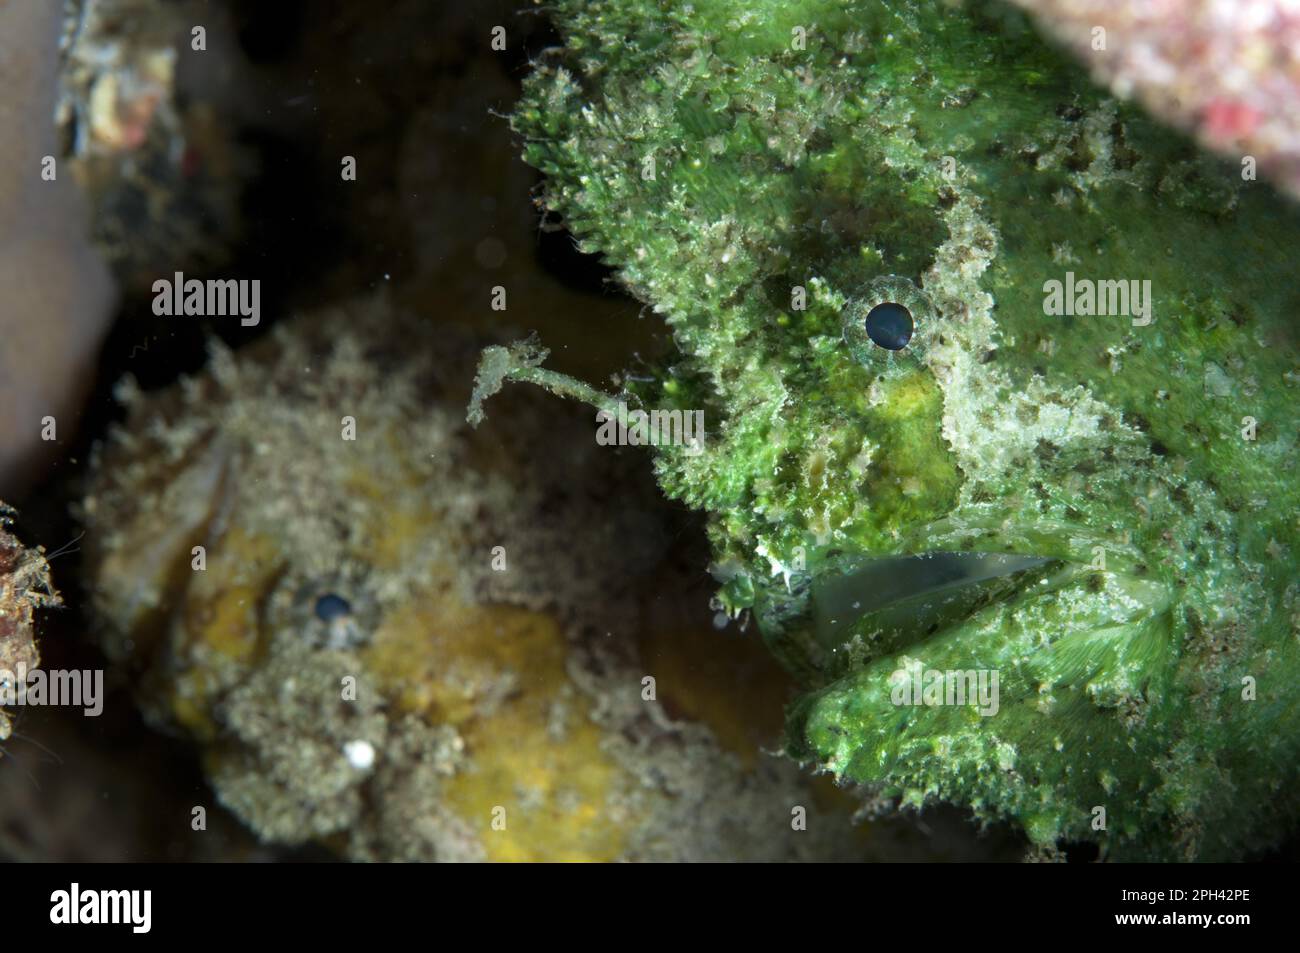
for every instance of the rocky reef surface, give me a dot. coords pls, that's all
(55, 294)
(1227, 71)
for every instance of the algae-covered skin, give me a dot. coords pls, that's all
(410, 642)
(764, 174)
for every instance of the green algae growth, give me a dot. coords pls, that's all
(764, 174)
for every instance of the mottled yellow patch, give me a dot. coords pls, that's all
(498, 675)
(409, 518)
(221, 625)
(909, 395)
(190, 704)
(221, 602)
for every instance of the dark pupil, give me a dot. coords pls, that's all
(330, 607)
(889, 325)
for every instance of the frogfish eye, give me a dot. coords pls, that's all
(330, 607)
(880, 322)
(889, 325)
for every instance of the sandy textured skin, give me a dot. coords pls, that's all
(765, 174)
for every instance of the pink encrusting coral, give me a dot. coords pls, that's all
(1226, 70)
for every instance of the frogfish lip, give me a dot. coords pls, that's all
(896, 600)
(912, 595)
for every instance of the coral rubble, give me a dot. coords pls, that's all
(24, 587)
(145, 135)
